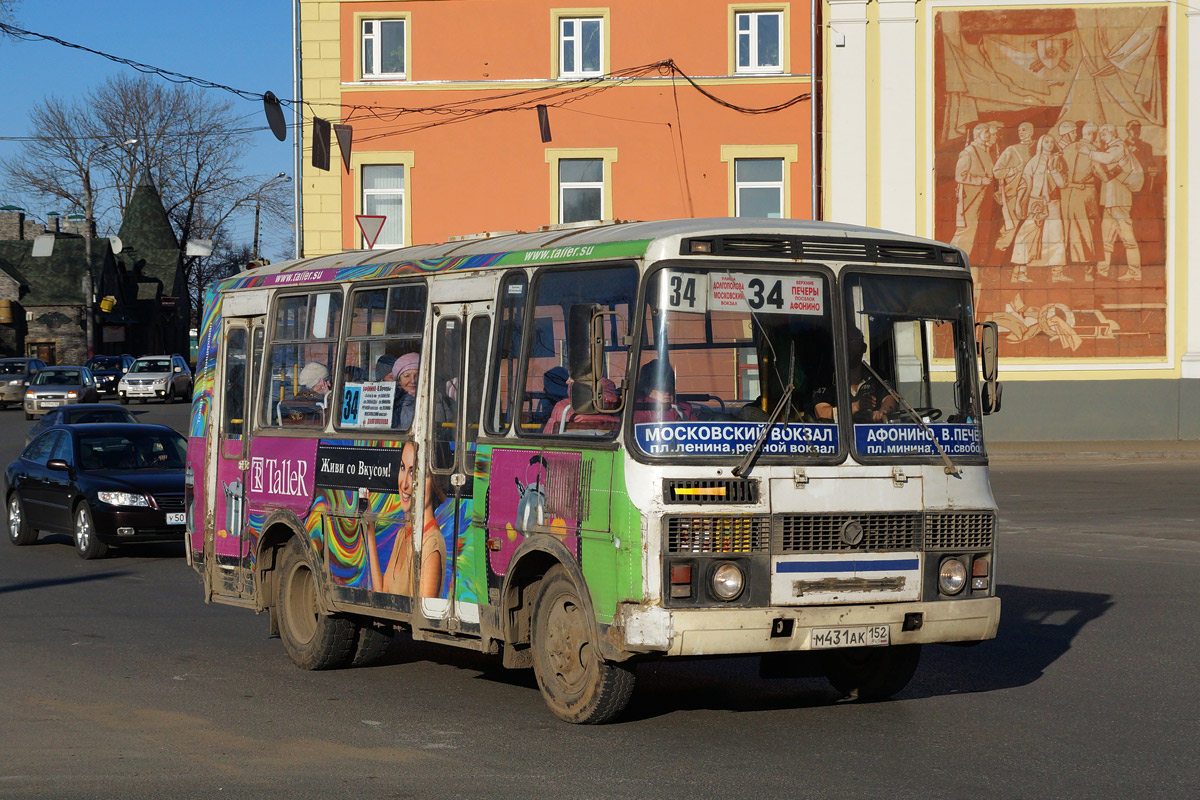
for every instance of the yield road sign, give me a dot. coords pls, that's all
(370, 225)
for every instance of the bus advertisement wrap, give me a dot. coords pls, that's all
(892, 439)
(734, 438)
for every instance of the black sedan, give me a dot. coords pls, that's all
(108, 370)
(79, 414)
(104, 484)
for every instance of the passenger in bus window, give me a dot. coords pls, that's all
(404, 373)
(383, 367)
(655, 401)
(398, 578)
(564, 418)
(869, 401)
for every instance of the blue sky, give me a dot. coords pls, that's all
(246, 44)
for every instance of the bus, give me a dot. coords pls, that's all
(589, 446)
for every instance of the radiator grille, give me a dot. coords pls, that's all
(807, 533)
(959, 530)
(718, 534)
(710, 491)
(169, 502)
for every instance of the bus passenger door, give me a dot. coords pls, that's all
(227, 543)
(462, 332)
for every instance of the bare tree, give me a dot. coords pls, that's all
(191, 144)
(8, 10)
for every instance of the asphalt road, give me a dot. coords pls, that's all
(117, 681)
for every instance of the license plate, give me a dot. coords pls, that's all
(175, 519)
(50, 404)
(858, 636)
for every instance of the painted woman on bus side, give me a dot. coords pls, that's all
(398, 577)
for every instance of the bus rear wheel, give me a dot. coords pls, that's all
(871, 673)
(313, 640)
(578, 685)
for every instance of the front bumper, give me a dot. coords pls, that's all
(39, 405)
(12, 394)
(148, 525)
(732, 631)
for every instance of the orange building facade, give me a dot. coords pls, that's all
(676, 108)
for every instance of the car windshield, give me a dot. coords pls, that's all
(13, 368)
(150, 450)
(152, 365)
(720, 350)
(83, 416)
(107, 362)
(57, 377)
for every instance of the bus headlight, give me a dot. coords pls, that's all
(727, 581)
(952, 576)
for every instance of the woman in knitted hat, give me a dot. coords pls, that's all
(404, 373)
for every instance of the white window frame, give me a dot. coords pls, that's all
(403, 194)
(564, 186)
(752, 34)
(780, 185)
(376, 36)
(575, 43)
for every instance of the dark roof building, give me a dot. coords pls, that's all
(140, 286)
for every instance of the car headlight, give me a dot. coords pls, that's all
(123, 499)
(727, 581)
(952, 576)
(29, 395)
(73, 395)
(160, 382)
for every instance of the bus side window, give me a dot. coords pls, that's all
(507, 353)
(299, 387)
(546, 399)
(378, 386)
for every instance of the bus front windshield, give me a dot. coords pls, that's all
(723, 351)
(910, 367)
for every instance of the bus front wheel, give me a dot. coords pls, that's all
(577, 684)
(313, 640)
(871, 673)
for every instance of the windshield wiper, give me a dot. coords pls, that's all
(951, 468)
(785, 403)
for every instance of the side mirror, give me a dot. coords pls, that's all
(58, 464)
(990, 392)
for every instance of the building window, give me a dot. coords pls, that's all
(383, 195)
(384, 48)
(759, 187)
(759, 41)
(580, 47)
(580, 189)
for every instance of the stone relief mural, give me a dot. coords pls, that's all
(1050, 171)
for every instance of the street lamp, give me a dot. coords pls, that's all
(283, 177)
(89, 224)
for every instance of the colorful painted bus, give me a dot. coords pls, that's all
(586, 447)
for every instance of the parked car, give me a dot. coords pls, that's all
(82, 413)
(108, 371)
(59, 386)
(15, 374)
(104, 484)
(162, 377)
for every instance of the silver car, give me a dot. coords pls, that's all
(15, 375)
(165, 378)
(59, 386)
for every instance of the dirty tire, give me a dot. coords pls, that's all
(577, 684)
(28, 416)
(871, 673)
(169, 397)
(370, 644)
(87, 544)
(19, 532)
(312, 639)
